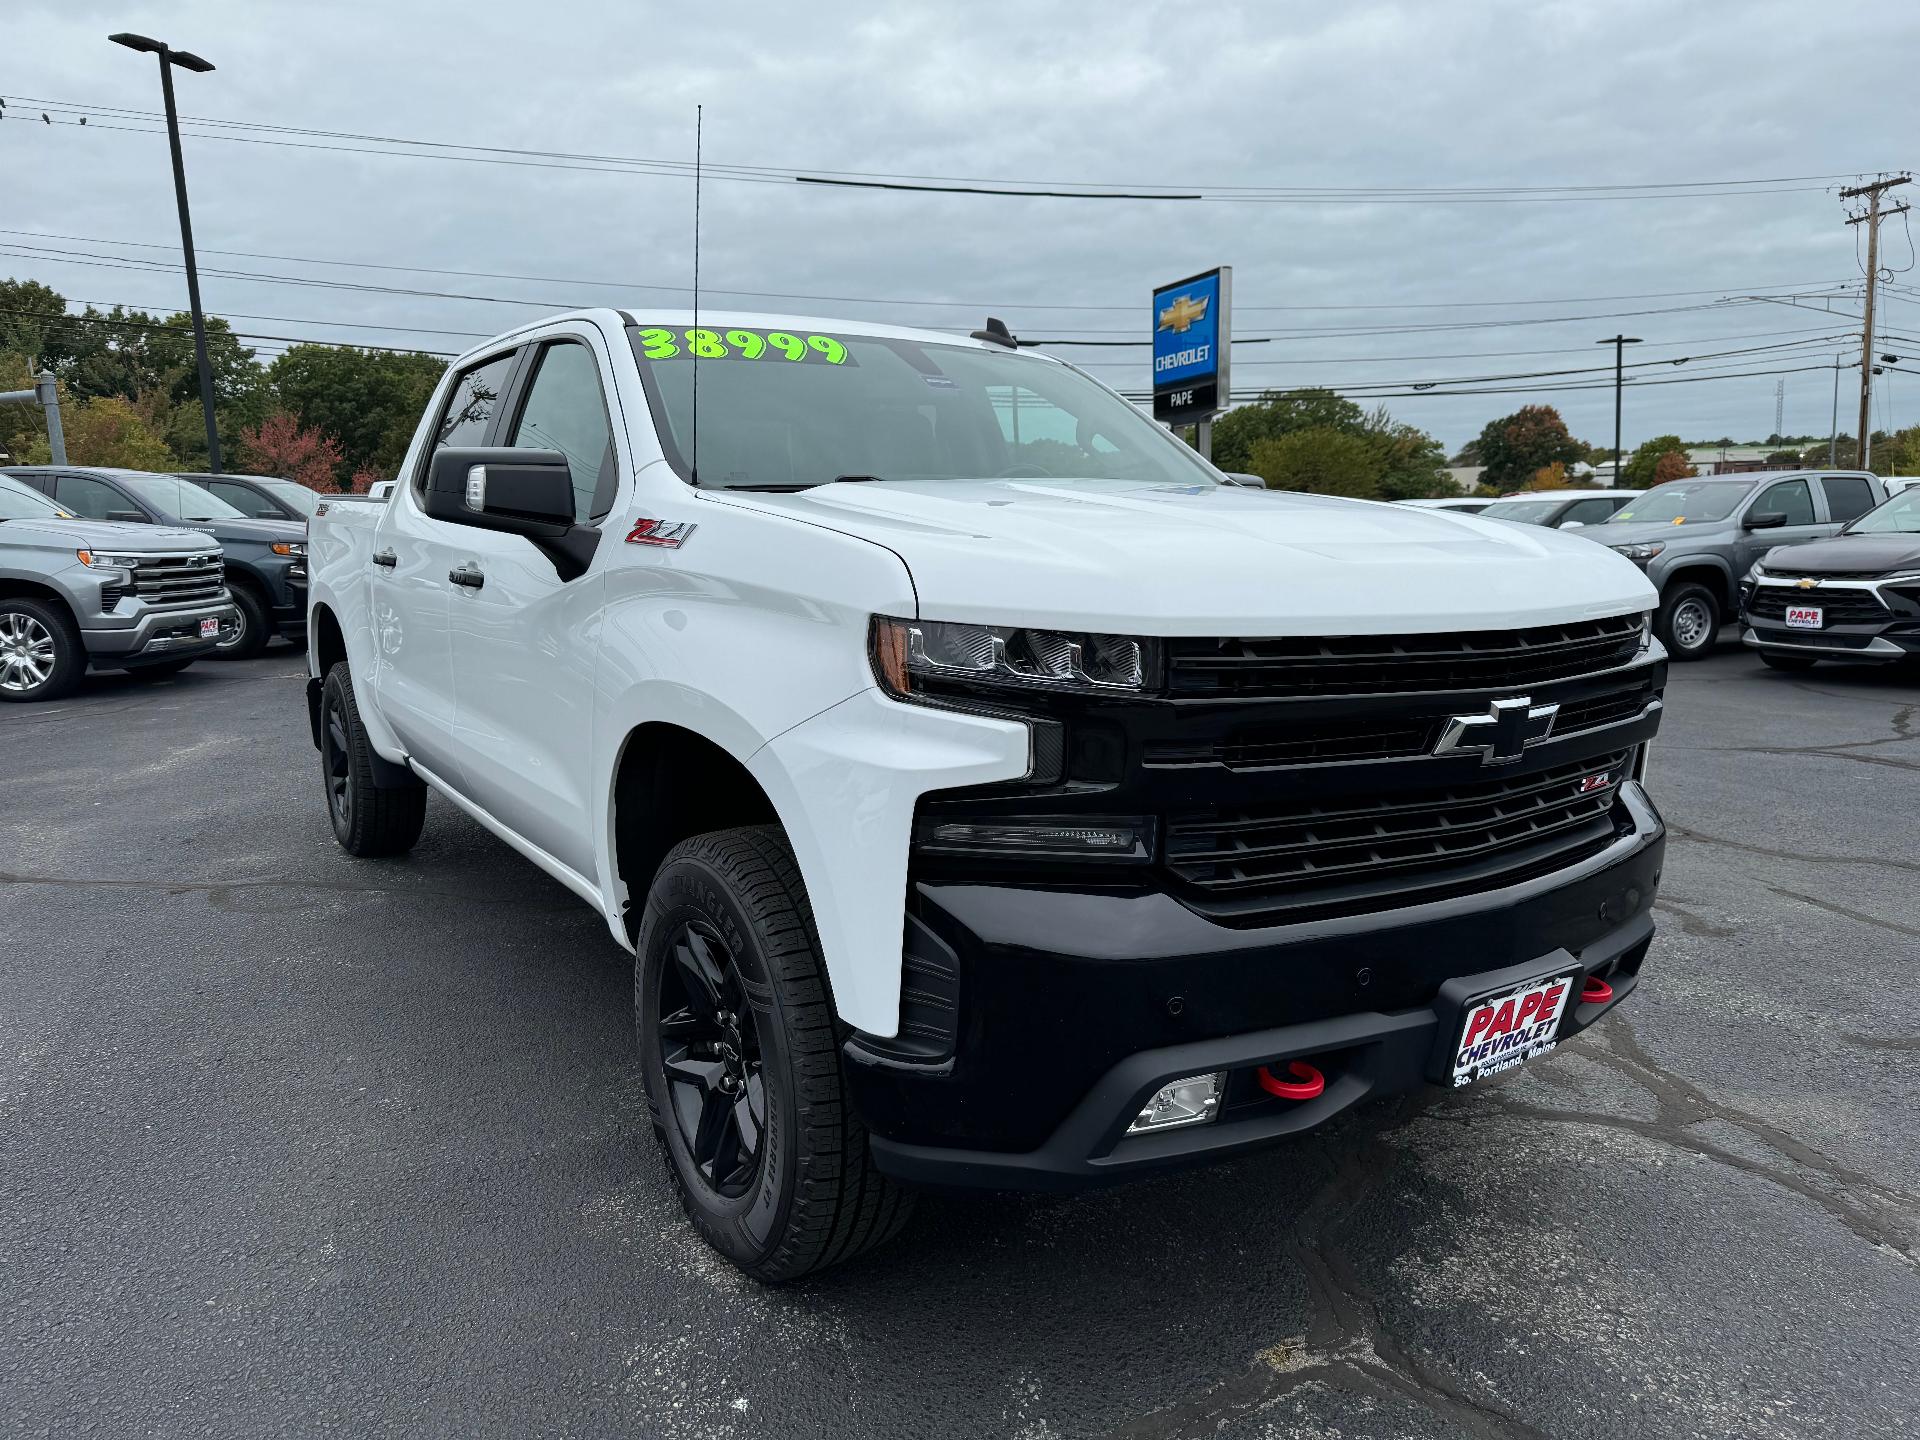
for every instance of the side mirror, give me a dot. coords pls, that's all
(517, 492)
(1573, 525)
(1766, 520)
(131, 517)
(1240, 477)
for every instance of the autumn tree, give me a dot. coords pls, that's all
(1548, 477)
(1644, 466)
(105, 431)
(370, 401)
(281, 445)
(1515, 446)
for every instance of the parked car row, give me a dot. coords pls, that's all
(131, 570)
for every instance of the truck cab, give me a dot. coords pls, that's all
(990, 793)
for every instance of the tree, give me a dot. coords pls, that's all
(1321, 461)
(1468, 455)
(1649, 457)
(1548, 477)
(1672, 466)
(280, 445)
(1278, 413)
(1517, 445)
(32, 321)
(105, 431)
(1898, 453)
(1413, 465)
(1783, 457)
(367, 400)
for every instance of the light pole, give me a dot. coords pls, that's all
(186, 60)
(1619, 344)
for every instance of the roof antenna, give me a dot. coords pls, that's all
(694, 439)
(996, 333)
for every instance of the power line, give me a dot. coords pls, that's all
(1070, 189)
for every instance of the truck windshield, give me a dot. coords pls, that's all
(1680, 502)
(1527, 512)
(785, 410)
(182, 499)
(18, 502)
(1899, 516)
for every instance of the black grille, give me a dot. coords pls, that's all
(1271, 747)
(1272, 850)
(179, 579)
(1399, 664)
(1840, 607)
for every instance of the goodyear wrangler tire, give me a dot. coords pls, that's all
(740, 1050)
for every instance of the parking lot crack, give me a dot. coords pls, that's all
(1798, 857)
(1841, 910)
(1881, 1216)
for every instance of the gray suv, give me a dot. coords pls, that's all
(1696, 539)
(75, 593)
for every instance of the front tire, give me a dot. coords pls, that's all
(41, 657)
(740, 1053)
(1787, 662)
(250, 630)
(368, 820)
(1689, 621)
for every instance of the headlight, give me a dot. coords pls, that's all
(1758, 571)
(908, 653)
(1639, 554)
(289, 547)
(101, 560)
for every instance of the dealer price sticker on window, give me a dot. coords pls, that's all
(657, 342)
(1805, 617)
(1501, 1032)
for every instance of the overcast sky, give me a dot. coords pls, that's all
(1367, 97)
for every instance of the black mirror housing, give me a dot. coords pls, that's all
(1766, 520)
(517, 492)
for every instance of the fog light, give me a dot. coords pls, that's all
(1123, 838)
(1192, 1101)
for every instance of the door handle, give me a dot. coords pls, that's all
(385, 558)
(469, 576)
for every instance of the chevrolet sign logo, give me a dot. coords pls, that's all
(1805, 584)
(1502, 734)
(1183, 314)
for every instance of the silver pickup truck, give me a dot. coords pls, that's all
(75, 593)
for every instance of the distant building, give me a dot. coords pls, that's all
(1737, 459)
(1465, 477)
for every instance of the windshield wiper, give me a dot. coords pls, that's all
(790, 487)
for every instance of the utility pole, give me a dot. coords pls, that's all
(1833, 437)
(1779, 407)
(1619, 344)
(1871, 218)
(186, 60)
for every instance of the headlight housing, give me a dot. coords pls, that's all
(289, 547)
(1639, 554)
(1902, 575)
(907, 654)
(103, 560)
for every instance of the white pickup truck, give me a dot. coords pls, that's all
(990, 794)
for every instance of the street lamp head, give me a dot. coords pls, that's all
(185, 59)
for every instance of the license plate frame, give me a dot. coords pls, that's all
(1509, 1025)
(1806, 617)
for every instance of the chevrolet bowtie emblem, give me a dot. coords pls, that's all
(1184, 313)
(1805, 584)
(1501, 734)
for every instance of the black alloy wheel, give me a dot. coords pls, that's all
(336, 761)
(710, 1051)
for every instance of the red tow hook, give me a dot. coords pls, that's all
(1310, 1082)
(1595, 991)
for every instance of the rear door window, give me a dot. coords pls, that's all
(245, 499)
(1848, 496)
(1589, 512)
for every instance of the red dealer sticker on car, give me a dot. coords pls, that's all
(1804, 617)
(1501, 1032)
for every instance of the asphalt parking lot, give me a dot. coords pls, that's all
(296, 1145)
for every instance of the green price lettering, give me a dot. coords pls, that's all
(791, 346)
(658, 344)
(706, 345)
(829, 347)
(750, 344)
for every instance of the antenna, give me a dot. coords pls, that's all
(694, 439)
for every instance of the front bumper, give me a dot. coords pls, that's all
(1077, 1006)
(1875, 631)
(158, 635)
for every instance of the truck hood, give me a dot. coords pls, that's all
(1847, 555)
(1156, 559)
(1652, 532)
(104, 535)
(240, 532)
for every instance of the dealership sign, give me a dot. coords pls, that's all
(1190, 339)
